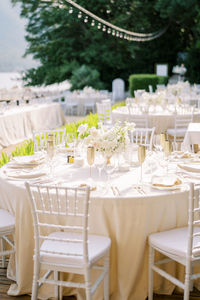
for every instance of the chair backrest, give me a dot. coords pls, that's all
(193, 250)
(183, 120)
(150, 89)
(143, 136)
(60, 209)
(104, 112)
(141, 121)
(40, 138)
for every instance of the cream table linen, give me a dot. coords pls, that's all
(17, 124)
(161, 121)
(192, 135)
(127, 219)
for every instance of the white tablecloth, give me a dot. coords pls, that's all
(17, 124)
(161, 121)
(192, 135)
(127, 219)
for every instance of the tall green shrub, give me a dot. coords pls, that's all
(142, 82)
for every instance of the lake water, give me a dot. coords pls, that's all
(10, 79)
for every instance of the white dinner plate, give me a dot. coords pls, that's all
(168, 188)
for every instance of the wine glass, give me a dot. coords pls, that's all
(90, 157)
(50, 152)
(109, 167)
(99, 162)
(141, 158)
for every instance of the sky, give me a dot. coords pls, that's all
(12, 41)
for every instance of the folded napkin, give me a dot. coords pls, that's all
(166, 181)
(192, 167)
(27, 160)
(64, 150)
(24, 174)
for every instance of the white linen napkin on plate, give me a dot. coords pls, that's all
(166, 181)
(192, 167)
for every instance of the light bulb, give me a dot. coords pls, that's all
(71, 10)
(113, 32)
(99, 26)
(79, 14)
(104, 28)
(86, 19)
(109, 30)
(93, 23)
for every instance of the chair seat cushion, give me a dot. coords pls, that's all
(69, 252)
(178, 132)
(7, 221)
(174, 242)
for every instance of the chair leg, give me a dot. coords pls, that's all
(187, 281)
(56, 288)
(35, 279)
(88, 285)
(151, 263)
(3, 249)
(106, 278)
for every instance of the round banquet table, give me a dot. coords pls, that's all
(18, 123)
(160, 120)
(127, 219)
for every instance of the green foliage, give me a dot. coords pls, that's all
(118, 104)
(62, 43)
(85, 76)
(192, 64)
(142, 81)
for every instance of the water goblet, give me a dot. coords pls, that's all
(109, 167)
(99, 162)
(90, 157)
(141, 158)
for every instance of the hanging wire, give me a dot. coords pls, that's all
(109, 27)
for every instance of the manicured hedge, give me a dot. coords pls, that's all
(142, 82)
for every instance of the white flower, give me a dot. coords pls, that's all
(82, 128)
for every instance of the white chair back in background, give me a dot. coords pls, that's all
(181, 122)
(143, 136)
(40, 138)
(104, 112)
(62, 240)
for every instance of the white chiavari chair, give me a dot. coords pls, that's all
(181, 122)
(181, 245)
(62, 240)
(7, 229)
(104, 112)
(40, 138)
(143, 136)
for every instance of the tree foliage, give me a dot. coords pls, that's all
(62, 43)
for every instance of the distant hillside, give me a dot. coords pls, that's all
(12, 42)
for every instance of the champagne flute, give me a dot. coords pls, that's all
(90, 157)
(50, 151)
(167, 151)
(141, 158)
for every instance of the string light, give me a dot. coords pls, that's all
(71, 10)
(109, 27)
(86, 19)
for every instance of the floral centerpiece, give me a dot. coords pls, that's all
(108, 141)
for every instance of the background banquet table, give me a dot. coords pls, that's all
(18, 124)
(160, 120)
(127, 219)
(192, 135)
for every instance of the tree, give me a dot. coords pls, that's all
(62, 42)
